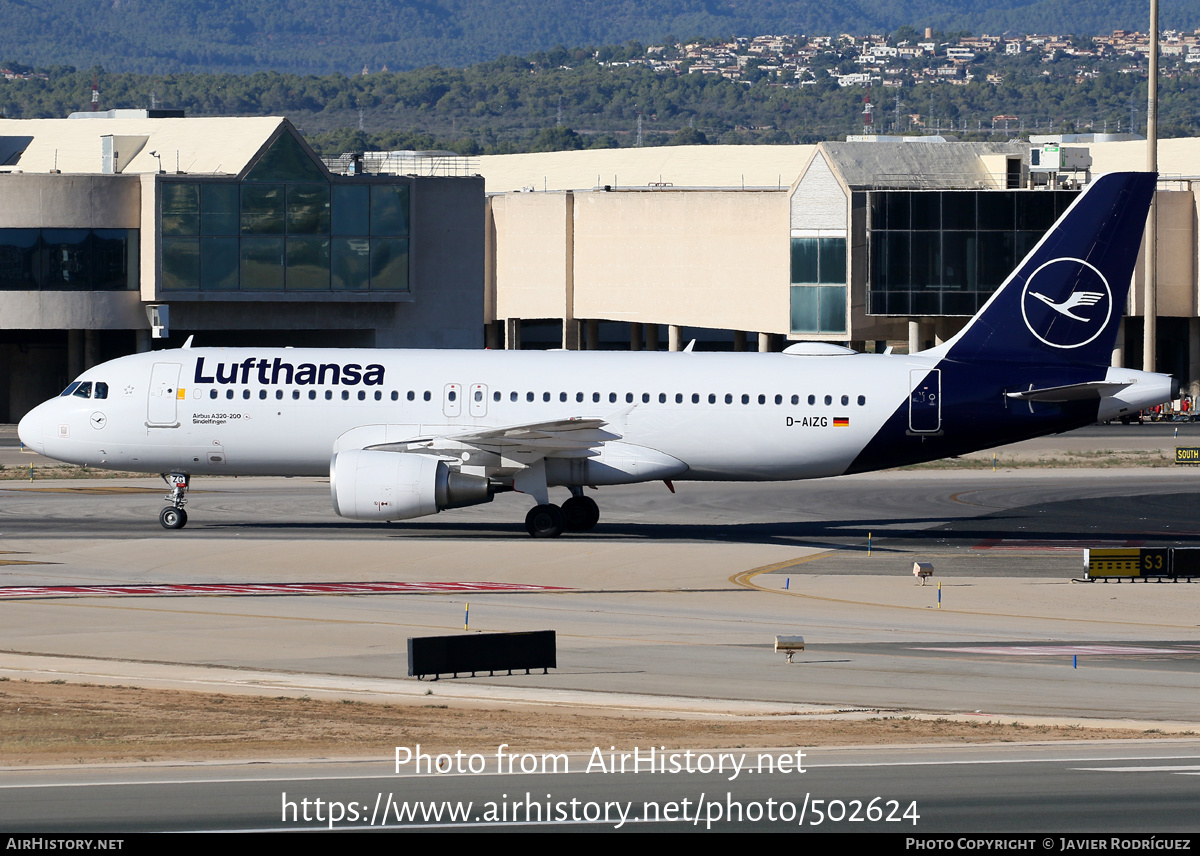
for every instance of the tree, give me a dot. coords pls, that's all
(556, 139)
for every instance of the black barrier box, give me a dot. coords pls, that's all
(481, 652)
(1185, 562)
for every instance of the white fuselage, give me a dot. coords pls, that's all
(742, 416)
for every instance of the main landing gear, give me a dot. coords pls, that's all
(578, 514)
(174, 517)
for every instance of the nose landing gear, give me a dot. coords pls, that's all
(174, 517)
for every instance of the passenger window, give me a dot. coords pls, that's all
(745, 398)
(84, 390)
(212, 393)
(579, 396)
(629, 398)
(479, 395)
(796, 399)
(562, 396)
(345, 395)
(279, 394)
(395, 395)
(762, 399)
(828, 400)
(512, 396)
(679, 398)
(595, 396)
(246, 394)
(695, 398)
(612, 398)
(452, 395)
(329, 395)
(69, 390)
(101, 390)
(262, 394)
(712, 398)
(529, 396)
(229, 393)
(378, 395)
(411, 395)
(662, 398)
(545, 396)
(645, 398)
(728, 398)
(362, 395)
(812, 399)
(427, 395)
(845, 400)
(312, 395)
(779, 399)
(496, 395)
(862, 400)
(295, 395)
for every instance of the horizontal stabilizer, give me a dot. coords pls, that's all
(1071, 392)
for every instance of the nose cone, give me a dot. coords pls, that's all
(30, 429)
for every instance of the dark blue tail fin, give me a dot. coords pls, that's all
(1064, 302)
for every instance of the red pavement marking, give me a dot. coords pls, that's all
(1060, 544)
(244, 589)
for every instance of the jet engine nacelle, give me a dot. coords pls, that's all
(370, 485)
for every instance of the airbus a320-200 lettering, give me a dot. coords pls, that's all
(405, 434)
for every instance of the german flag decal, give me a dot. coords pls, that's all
(841, 422)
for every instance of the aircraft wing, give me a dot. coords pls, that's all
(577, 437)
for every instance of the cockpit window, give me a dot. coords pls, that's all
(101, 390)
(70, 389)
(84, 390)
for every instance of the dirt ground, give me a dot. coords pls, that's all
(63, 723)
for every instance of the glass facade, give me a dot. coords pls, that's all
(285, 227)
(944, 252)
(818, 291)
(68, 259)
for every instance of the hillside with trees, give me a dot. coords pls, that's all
(331, 36)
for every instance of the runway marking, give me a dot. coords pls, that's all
(1055, 650)
(93, 490)
(259, 589)
(1055, 544)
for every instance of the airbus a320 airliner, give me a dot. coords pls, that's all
(405, 434)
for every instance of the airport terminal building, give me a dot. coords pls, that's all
(231, 230)
(130, 230)
(861, 242)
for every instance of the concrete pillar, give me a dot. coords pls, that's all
(764, 343)
(674, 337)
(635, 335)
(74, 353)
(512, 334)
(570, 334)
(1118, 354)
(1193, 378)
(593, 334)
(141, 339)
(651, 337)
(91, 348)
(914, 335)
(739, 340)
